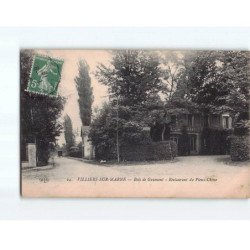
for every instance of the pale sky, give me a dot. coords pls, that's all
(67, 84)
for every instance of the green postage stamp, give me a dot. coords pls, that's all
(45, 75)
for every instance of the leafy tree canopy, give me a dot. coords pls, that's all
(133, 77)
(39, 114)
(68, 132)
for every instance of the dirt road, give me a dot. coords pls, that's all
(192, 176)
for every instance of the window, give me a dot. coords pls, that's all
(175, 139)
(173, 119)
(225, 122)
(190, 121)
(192, 143)
(206, 121)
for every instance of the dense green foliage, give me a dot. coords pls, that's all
(133, 77)
(239, 148)
(154, 151)
(107, 126)
(215, 141)
(85, 92)
(239, 142)
(68, 133)
(133, 81)
(146, 89)
(184, 147)
(76, 153)
(217, 81)
(39, 115)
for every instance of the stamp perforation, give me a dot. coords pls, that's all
(41, 56)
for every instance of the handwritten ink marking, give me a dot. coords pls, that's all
(44, 179)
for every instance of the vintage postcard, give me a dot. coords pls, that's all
(134, 123)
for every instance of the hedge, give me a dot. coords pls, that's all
(107, 150)
(239, 148)
(105, 153)
(77, 154)
(214, 141)
(165, 150)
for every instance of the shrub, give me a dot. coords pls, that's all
(241, 127)
(214, 141)
(239, 150)
(174, 148)
(77, 153)
(132, 133)
(184, 146)
(104, 152)
(165, 150)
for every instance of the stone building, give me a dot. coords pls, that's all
(195, 124)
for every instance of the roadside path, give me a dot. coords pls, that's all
(74, 178)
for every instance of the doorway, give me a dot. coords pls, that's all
(193, 144)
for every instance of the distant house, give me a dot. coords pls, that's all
(195, 123)
(87, 147)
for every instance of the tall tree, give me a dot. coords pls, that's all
(218, 80)
(201, 70)
(134, 76)
(172, 69)
(85, 92)
(109, 125)
(68, 132)
(133, 80)
(234, 74)
(39, 114)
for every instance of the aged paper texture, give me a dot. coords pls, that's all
(134, 123)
